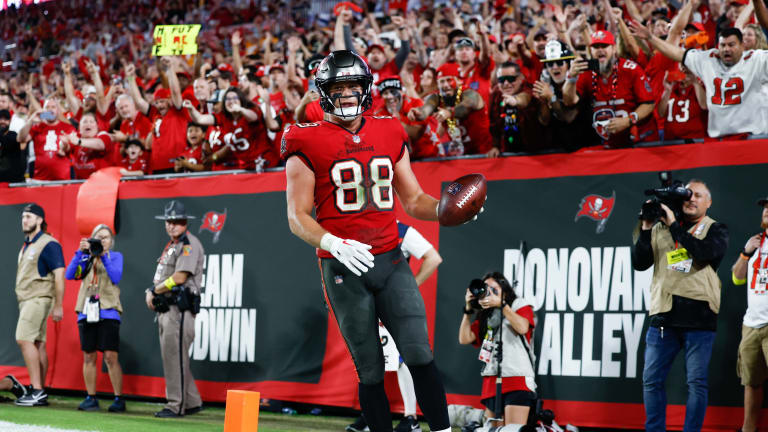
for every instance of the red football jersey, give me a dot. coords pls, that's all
(354, 198)
(193, 154)
(479, 79)
(248, 141)
(139, 164)
(215, 141)
(47, 142)
(685, 118)
(86, 161)
(617, 96)
(169, 136)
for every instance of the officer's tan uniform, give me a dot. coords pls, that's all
(186, 255)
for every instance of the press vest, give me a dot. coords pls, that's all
(29, 283)
(97, 281)
(700, 283)
(516, 357)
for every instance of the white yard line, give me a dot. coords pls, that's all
(13, 427)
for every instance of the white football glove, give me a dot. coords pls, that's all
(353, 254)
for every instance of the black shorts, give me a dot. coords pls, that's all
(388, 292)
(103, 335)
(517, 397)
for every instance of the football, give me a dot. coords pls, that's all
(462, 199)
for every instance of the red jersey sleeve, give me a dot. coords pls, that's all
(527, 313)
(584, 84)
(291, 144)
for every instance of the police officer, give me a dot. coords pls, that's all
(176, 299)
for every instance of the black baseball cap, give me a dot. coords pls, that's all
(34, 209)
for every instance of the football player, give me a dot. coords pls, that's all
(348, 168)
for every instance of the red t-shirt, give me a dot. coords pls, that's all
(86, 161)
(508, 384)
(685, 118)
(169, 136)
(354, 198)
(617, 96)
(247, 140)
(139, 164)
(47, 142)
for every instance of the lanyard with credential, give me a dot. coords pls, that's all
(757, 264)
(691, 231)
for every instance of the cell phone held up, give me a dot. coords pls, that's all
(593, 65)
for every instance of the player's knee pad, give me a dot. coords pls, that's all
(416, 354)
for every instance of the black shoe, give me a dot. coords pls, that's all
(18, 390)
(358, 426)
(33, 398)
(89, 404)
(166, 413)
(118, 405)
(193, 410)
(408, 424)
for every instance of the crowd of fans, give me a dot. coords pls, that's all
(81, 90)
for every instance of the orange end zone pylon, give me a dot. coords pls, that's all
(242, 411)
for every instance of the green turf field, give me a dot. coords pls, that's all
(62, 413)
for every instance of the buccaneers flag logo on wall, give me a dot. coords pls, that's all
(214, 222)
(597, 208)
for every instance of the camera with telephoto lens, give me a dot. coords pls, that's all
(95, 246)
(672, 193)
(478, 288)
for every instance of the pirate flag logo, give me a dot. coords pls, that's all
(600, 120)
(598, 208)
(214, 222)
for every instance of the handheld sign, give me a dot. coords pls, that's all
(175, 39)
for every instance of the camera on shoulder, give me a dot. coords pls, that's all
(672, 193)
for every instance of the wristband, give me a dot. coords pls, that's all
(747, 255)
(169, 283)
(468, 311)
(571, 80)
(737, 281)
(327, 241)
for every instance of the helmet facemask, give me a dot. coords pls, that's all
(328, 102)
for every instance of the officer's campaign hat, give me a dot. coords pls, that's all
(762, 201)
(174, 210)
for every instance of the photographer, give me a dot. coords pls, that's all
(98, 312)
(518, 385)
(685, 300)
